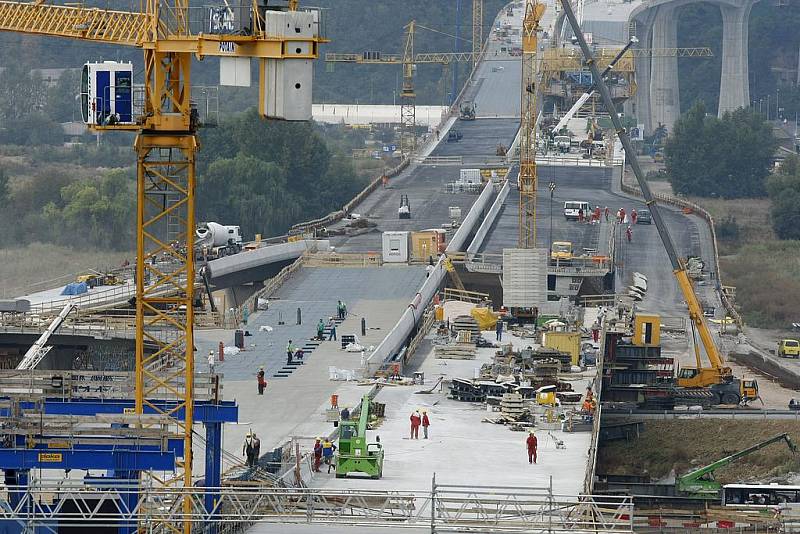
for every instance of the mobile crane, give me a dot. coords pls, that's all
(700, 482)
(717, 379)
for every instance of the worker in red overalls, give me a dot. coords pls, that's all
(597, 213)
(607, 211)
(629, 234)
(416, 420)
(580, 215)
(622, 215)
(634, 215)
(532, 443)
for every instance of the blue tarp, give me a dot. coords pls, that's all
(75, 288)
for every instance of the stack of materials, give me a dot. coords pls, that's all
(512, 406)
(466, 391)
(467, 323)
(457, 351)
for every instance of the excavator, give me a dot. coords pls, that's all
(716, 381)
(700, 482)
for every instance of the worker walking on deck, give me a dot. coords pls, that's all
(262, 382)
(596, 216)
(289, 352)
(634, 215)
(211, 361)
(320, 330)
(328, 448)
(317, 455)
(595, 331)
(416, 420)
(629, 234)
(580, 214)
(499, 330)
(607, 212)
(425, 424)
(332, 327)
(532, 444)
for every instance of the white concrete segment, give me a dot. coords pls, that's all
(263, 256)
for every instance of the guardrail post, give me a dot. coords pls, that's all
(433, 503)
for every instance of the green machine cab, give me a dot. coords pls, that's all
(354, 454)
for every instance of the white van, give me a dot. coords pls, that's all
(571, 208)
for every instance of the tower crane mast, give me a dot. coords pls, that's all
(527, 139)
(171, 34)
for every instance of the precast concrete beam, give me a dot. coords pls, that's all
(734, 88)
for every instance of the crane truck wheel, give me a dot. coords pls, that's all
(730, 398)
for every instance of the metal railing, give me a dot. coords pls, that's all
(443, 507)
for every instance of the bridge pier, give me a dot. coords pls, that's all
(644, 32)
(664, 91)
(734, 88)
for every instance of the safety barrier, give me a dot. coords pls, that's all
(685, 204)
(347, 259)
(442, 508)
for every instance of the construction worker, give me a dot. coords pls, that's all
(425, 424)
(340, 309)
(622, 218)
(416, 420)
(256, 449)
(596, 214)
(629, 234)
(595, 331)
(499, 330)
(289, 352)
(211, 362)
(332, 329)
(248, 451)
(262, 382)
(580, 214)
(606, 212)
(328, 449)
(317, 454)
(320, 330)
(385, 180)
(532, 444)
(634, 215)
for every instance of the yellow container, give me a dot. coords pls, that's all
(569, 342)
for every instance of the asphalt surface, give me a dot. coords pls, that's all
(589, 184)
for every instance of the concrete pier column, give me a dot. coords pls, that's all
(665, 102)
(644, 31)
(734, 88)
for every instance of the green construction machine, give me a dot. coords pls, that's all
(355, 455)
(700, 483)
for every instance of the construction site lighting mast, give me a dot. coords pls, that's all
(166, 146)
(718, 373)
(527, 140)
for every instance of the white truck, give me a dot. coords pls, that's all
(214, 240)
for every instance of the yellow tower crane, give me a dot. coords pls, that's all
(408, 59)
(527, 126)
(171, 33)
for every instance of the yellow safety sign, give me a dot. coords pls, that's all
(51, 457)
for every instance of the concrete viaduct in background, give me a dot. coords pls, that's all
(656, 26)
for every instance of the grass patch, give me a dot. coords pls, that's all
(660, 449)
(38, 266)
(767, 280)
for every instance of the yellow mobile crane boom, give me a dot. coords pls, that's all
(170, 33)
(527, 125)
(718, 376)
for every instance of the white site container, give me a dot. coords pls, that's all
(395, 247)
(455, 212)
(471, 176)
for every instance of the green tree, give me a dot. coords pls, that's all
(728, 157)
(784, 193)
(61, 105)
